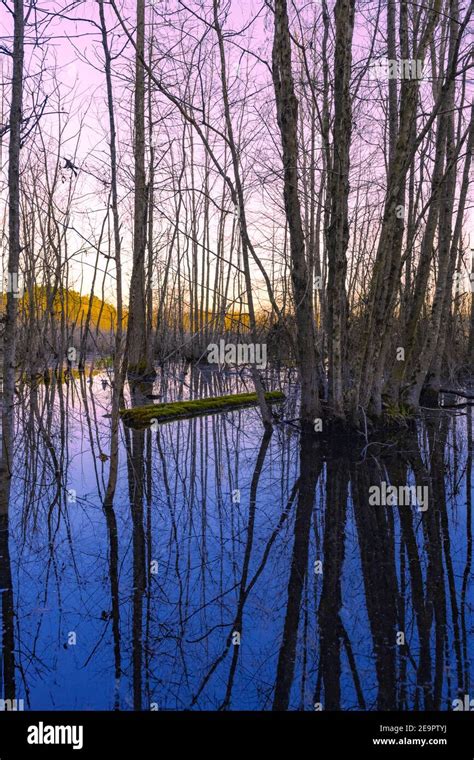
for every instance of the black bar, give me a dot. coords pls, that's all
(318, 734)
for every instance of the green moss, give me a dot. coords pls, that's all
(105, 363)
(398, 412)
(47, 376)
(140, 416)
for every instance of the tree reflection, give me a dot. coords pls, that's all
(277, 584)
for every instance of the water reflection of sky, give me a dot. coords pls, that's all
(198, 535)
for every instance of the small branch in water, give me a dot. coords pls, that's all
(462, 393)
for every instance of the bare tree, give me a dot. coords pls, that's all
(137, 354)
(287, 115)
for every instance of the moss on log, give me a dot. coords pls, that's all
(141, 416)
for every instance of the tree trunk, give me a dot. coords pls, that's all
(287, 116)
(238, 200)
(420, 366)
(119, 371)
(9, 354)
(386, 274)
(137, 332)
(338, 232)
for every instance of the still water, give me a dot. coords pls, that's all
(236, 570)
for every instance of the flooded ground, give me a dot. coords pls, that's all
(236, 570)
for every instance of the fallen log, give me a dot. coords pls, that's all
(141, 416)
